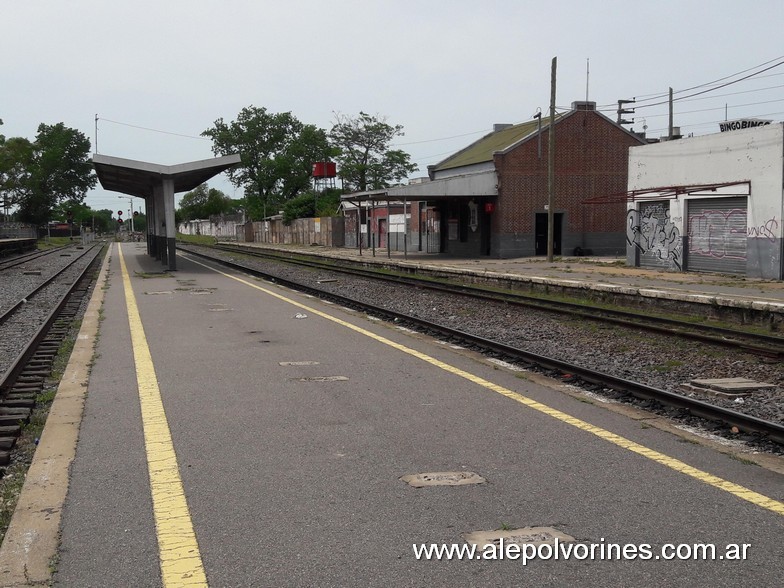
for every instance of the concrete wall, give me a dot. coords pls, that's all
(15, 230)
(223, 229)
(753, 155)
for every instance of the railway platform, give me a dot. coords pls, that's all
(600, 274)
(212, 429)
(16, 245)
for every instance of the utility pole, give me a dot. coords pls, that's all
(551, 167)
(669, 135)
(622, 111)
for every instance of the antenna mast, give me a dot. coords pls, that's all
(587, 75)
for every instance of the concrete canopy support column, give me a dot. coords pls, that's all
(170, 233)
(148, 230)
(158, 229)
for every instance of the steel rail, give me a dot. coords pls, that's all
(746, 423)
(29, 257)
(756, 343)
(17, 366)
(26, 298)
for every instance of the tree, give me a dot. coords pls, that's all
(277, 152)
(204, 202)
(365, 161)
(60, 170)
(310, 204)
(16, 158)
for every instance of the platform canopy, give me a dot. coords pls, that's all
(462, 186)
(139, 178)
(158, 184)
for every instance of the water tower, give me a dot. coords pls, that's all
(324, 174)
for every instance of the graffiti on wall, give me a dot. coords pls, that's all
(766, 230)
(720, 234)
(654, 233)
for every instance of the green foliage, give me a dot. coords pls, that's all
(276, 150)
(303, 206)
(311, 204)
(196, 239)
(365, 160)
(54, 168)
(16, 158)
(204, 202)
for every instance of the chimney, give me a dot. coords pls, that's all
(583, 105)
(500, 126)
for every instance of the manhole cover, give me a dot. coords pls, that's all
(442, 479)
(523, 536)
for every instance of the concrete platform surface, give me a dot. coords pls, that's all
(292, 424)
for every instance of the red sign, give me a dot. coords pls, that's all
(489, 207)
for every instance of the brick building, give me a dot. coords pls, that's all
(490, 198)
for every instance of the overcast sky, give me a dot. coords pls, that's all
(158, 73)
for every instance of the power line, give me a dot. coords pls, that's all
(441, 139)
(153, 130)
(646, 97)
(708, 89)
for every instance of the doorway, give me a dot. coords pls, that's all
(540, 234)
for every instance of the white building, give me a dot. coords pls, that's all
(710, 203)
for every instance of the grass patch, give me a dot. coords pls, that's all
(668, 365)
(688, 440)
(197, 239)
(741, 459)
(52, 242)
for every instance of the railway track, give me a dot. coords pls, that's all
(24, 378)
(574, 373)
(18, 260)
(767, 345)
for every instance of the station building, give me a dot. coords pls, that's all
(710, 203)
(491, 198)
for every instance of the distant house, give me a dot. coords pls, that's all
(491, 197)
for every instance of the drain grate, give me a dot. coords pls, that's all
(442, 479)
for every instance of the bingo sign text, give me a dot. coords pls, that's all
(743, 123)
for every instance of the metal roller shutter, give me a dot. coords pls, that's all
(717, 234)
(654, 251)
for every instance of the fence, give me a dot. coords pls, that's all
(326, 231)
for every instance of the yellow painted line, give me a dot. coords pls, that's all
(180, 559)
(665, 460)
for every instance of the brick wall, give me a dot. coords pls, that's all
(591, 159)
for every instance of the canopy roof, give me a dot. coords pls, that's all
(137, 178)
